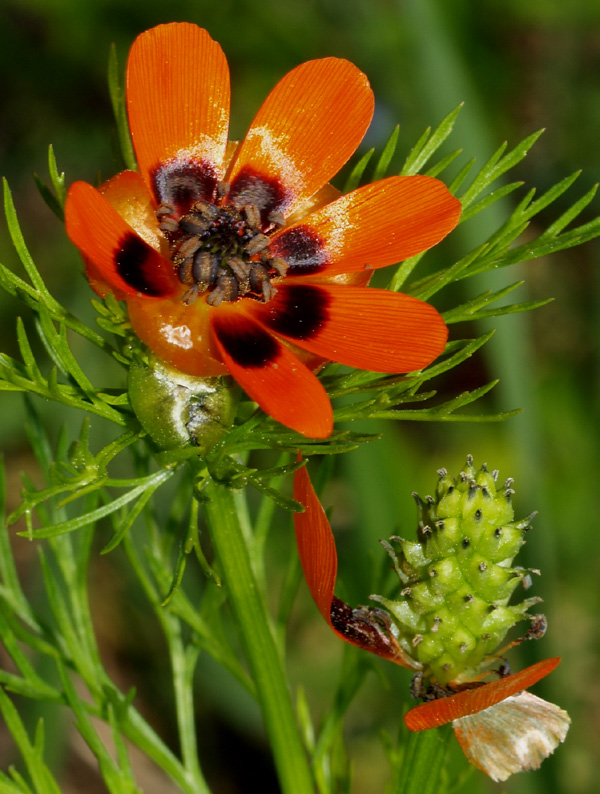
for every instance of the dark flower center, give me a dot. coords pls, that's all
(221, 249)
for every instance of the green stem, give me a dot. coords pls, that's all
(262, 654)
(183, 661)
(422, 762)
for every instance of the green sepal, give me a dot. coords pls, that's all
(179, 410)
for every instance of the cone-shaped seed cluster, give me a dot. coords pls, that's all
(458, 577)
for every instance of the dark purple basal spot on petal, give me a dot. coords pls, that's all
(247, 344)
(183, 182)
(135, 262)
(298, 311)
(361, 629)
(267, 193)
(303, 250)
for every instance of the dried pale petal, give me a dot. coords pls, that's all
(514, 735)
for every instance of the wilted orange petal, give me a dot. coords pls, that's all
(316, 545)
(363, 628)
(375, 226)
(124, 261)
(470, 701)
(515, 735)
(271, 374)
(307, 128)
(178, 106)
(366, 328)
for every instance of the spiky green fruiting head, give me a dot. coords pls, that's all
(457, 578)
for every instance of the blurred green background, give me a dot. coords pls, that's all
(518, 67)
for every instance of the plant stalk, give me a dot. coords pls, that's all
(262, 653)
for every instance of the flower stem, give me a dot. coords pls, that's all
(422, 762)
(183, 661)
(262, 653)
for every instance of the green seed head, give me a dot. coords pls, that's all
(457, 579)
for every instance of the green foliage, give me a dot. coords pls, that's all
(81, 496)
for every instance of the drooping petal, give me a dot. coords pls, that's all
(124, 261)
(470, 701)
(178, 106)
(363, 628)
(316, 545)
(307, 128)
(271, 374)
(513, 736)
(366, 328)
(375, 226)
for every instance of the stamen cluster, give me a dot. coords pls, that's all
(222, 250)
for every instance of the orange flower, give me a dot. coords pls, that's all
(500, 728)
(242, 259)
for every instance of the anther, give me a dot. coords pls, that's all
(185, 272)
(168, 225)
(206, 209)
(193, 224)
(258, 275)
(190, 295)
(239, 268)
(205, 269)
(164, 209)
(187, 249)
(279, 265)
(252, 214)
(229, 284)
(268, 290)
(258, 243)
(276, 218)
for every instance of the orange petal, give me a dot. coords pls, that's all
(178, 106)
(124, 261)
(316, 545)
(128, 194)
(177, 333)
(361, 627)
(271, 374)
(375, 226)
(307, 128)
(367, 328)
(470, 701)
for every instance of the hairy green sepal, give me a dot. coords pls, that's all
(179, 410)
